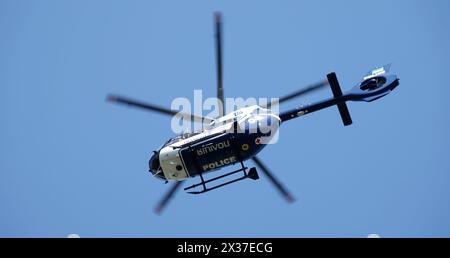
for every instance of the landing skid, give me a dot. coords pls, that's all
(252, 174)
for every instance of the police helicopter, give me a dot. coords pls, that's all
(239, 136)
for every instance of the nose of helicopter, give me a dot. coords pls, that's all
(155, 167)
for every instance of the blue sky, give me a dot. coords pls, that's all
(72, 163)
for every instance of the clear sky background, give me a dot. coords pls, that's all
(72, 163)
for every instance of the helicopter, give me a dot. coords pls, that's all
(234, 138)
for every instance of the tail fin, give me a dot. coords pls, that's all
(337, 92)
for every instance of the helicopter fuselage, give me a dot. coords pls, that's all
(228, 140)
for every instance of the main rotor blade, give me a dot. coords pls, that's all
(272, 178)
(308, 89)
(218, 29)
(156, 108)
(166, 198)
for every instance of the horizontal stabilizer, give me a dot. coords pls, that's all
(337, 92)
